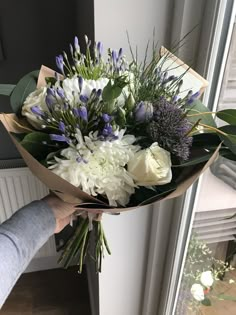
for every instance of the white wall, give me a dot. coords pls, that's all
(123, 276)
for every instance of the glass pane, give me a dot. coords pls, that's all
(208, 285)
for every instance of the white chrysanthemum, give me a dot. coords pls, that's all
(72, 89)
(98, 167)
(36, 98)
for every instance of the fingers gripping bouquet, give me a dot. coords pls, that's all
(112, 135)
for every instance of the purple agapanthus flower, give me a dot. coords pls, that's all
(83, 98)
(143, 112)
(76, 112)
(192, 97)
(83, 113)
(37, 111)
(99, 49)
(60, 92)
(80, 79)
(60, 138)
(62, 126)
(114, 56)
(106, 118)
(60, 63)
(76, 43)
(107, 130)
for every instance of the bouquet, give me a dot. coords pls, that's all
(205, 279)
(113, 135)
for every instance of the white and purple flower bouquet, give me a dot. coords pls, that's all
(113, 135)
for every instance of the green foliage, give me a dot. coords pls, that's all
(229, 138)
(227, 115)
(38, 144)
(197, 111)
(6, 89)
(206, 302)
(113, 89)
(24, 87)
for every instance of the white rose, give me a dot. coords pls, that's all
(72, 89)
(197, 292)
(151, 166)
(207, 278)
(36, 98)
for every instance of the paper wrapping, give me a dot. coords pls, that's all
(66, 191)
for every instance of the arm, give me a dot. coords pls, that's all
(24, 234)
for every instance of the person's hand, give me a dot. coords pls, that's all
(62, 211)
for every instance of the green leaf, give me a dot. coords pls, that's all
(227, 115)
(24, 87)
(196, 160)
(206, 140)
(38, 144)
(206, 302)
(6, 89)
(198, 109)
(226, 297)
(113, 89)
(230, 138)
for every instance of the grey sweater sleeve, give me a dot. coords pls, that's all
(20, 238)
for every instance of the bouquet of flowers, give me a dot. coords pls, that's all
(202, 275)
(113, 135)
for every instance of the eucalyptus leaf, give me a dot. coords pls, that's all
(24, 87)
(229, 138)
(198, 109)
(6, 89)
(227, 115)
(38, 144)
(196, 160)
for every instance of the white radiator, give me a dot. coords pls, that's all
(18, 187)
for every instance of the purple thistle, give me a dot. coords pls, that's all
(83, 98)
(62, 126)
(143, 112)
(169, 128)
(37, 111)
(83, 113)
(59, 138)
(60, 63)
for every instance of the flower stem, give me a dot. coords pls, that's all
(77, 246)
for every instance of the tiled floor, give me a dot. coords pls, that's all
(53, 292)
